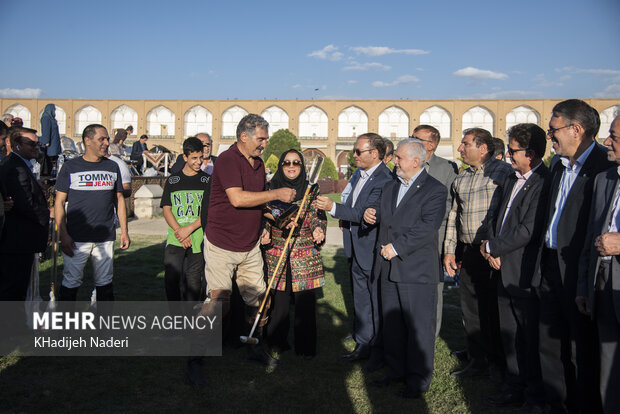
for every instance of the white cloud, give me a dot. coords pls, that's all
(20, 93)
(365, 66)
(352, 82)
(508, 95)
(329, 52)
(296, 86)
(475, 73)
(611, 73)
(384, 50)
(401, 80)
(612, 91)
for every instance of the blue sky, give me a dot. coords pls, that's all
(319, 49)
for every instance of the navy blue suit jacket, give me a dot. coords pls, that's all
(360, 241)
(412, 229)
(518, 241)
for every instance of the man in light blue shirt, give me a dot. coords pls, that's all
(567, 343)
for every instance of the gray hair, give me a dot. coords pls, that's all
(206, 134)
(249, 123)
(414, 148)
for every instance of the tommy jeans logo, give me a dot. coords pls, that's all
(93, 180)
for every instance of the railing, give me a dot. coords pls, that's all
(161, 137)
(314, 138)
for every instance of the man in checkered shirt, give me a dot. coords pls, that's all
(477, 192)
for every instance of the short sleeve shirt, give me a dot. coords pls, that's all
(228, 227)
(186, 197)
(91, 189)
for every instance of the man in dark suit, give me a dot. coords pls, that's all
(513, 250)
(26, 228)
(138, 148)
(208, 160)
(599, 272)
(445, 172)
(568, 348)
(359, 243)
(407, 264)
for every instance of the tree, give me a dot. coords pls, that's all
(329, 170)
(272, 163)
(351, 161)
(281, 141)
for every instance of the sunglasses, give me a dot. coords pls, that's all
(31, 143)
(358, 152)
(286, 163)
(511, 151)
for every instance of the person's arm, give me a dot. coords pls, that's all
(449, 245)
(520, 235)
(121, 211)
(66, 242)
(17, 184)
(174, 225)
(240, 198)
(432, 214)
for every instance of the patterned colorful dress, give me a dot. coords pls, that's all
(304, 256)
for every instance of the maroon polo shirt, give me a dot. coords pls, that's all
(228, 227)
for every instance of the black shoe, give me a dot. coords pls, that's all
(505, 399)
(193, 374)
(384, 381)
(407, 392)
(461, 355)
(257, 353)
(471, 370)
(530, 408)
(360, 352)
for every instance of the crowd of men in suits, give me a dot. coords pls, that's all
(535, 248)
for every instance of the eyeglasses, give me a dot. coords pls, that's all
(358, 152)
(511, 151)
(286, 163)
(551, 131)
(31, 143)
(206, 146)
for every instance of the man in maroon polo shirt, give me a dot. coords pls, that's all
(234, 221)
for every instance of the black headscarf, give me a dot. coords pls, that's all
(281, 180)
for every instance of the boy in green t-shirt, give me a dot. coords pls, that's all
(185, 202)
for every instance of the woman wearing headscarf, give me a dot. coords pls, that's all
(50, 137)
(302, 273)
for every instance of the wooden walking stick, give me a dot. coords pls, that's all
(315, 169)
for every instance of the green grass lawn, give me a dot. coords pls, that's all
(154, 384)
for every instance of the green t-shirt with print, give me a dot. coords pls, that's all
(185, 196)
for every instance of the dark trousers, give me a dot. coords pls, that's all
(409, 321)
(567, 345)
(365, 303)
(478, 293)
(174, 257)
(304, 327)
(609, 337)
(15, 272)
(518, 317)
